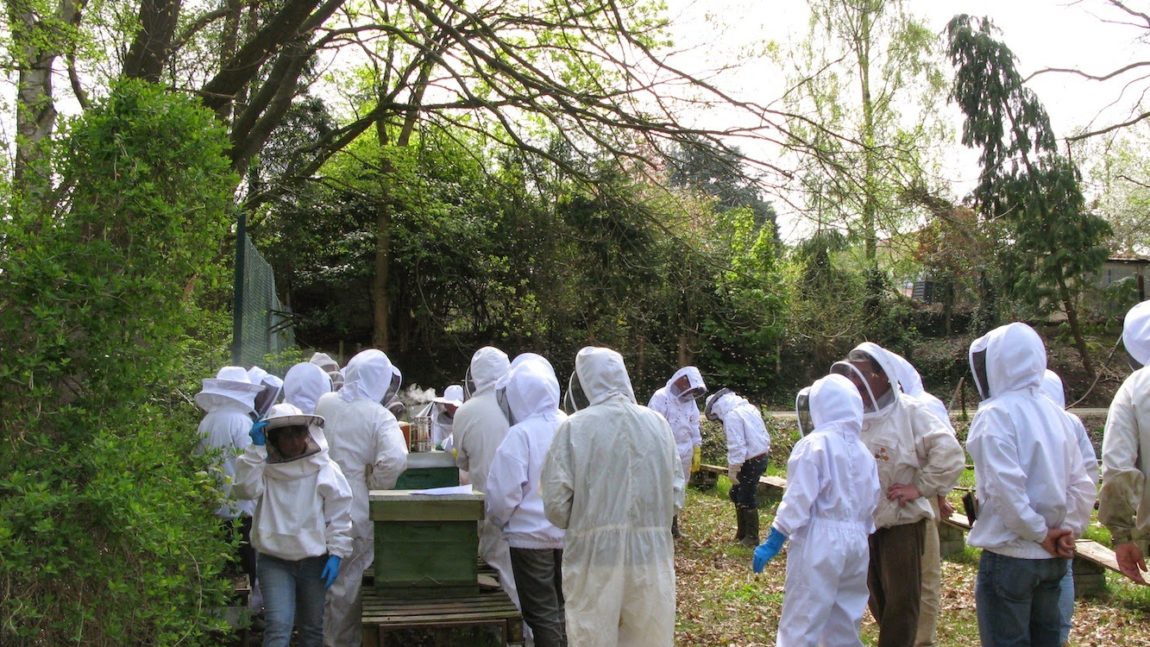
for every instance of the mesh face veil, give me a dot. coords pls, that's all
(709, 409)
(852, 373)
(803, 411)
(575, 399)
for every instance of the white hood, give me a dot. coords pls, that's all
(602, 374)
(304, 384)
(1015, 359)
(533, 391)
(694, 381)
(488, 365)
(1136, 333)
(836, 406)
(366, 376)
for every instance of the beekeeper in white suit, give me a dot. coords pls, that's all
(515, 505)
(613, 480)
(918, 458)
(1124, 500)
(927, 633)
(676, 403)
(366, 442)
(479, 428)
(827, 512)
(304, 384)
(1034, 496)
(228, 401)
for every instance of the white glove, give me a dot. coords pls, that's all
(733, 473)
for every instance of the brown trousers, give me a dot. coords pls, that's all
(895, 581)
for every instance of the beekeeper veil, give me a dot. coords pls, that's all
(600, 374)
(269, 394)
(852, 373)
(487, 366)
(803, 411)
(709, 409)
(686, 384)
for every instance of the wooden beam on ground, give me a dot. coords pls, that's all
(765, 479)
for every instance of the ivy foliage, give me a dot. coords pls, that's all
(106, 530)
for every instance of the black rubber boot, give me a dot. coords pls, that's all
(741, 519)
(751, 523)
(675, 527)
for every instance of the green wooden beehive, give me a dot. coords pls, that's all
(425, 545)
(428, 470)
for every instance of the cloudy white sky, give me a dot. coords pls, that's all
(1078, 34)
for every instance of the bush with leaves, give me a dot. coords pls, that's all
(106, 530)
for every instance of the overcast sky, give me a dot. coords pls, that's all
(1083, 35)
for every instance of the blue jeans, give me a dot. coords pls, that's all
(1066, 603)
(743, 494)
(293, 595)
(1017, 600)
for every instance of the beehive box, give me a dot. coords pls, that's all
(428, 470)
(425, 545)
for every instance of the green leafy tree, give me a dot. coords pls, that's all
(862, 98)
(106, 526)
(1052, 245)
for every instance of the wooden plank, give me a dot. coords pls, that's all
(1096, 553)
(773, 481)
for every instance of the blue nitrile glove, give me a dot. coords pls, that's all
(330, 571)
(259, 437)
(768, 549)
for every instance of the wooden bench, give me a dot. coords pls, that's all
(489, 608)
(1091, 558)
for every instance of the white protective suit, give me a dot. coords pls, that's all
(1052, 388)
(911, 383)
(228, 401)
(1028, 470)
(682, 412)
(912, 446)
(743, 426)
(1124, 500)
(480, 426)
(827, 512)
(441, 423)
(613, 480)
(367, 444)
(514, 502)
(304, 507)
(304, 384)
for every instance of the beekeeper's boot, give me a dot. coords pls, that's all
(751, 525)
(675, 527)
(741, 520)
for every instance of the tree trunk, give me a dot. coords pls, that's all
(149, 51)
(1075, 328)
(380, 296)
(34, 48)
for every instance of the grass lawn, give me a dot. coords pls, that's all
(721, 602)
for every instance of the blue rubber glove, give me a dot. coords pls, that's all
(259, 436)
(768, 549)
(330, 571)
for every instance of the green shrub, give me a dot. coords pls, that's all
(106, 529)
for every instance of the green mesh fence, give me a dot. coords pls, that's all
(262, 326)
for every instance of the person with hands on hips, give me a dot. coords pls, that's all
(302, 521)
(827, 512)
